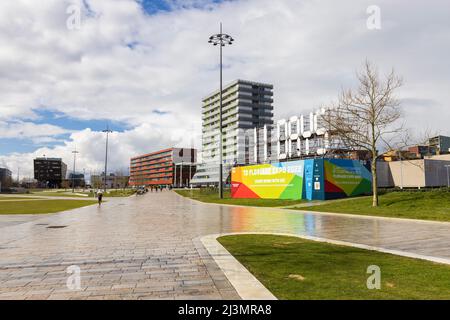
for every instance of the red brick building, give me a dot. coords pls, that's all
(174, 166)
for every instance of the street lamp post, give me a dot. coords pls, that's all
(190, 172)
(175, 176)
(73, 173)
(222, 40)
(181, 175)
(448, 175)
(401, 169)
(107, 131)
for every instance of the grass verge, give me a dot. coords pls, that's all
(42, 206)
(16, 198)
(293, 268)
(211, 196)
(426, 205)
(67, 194)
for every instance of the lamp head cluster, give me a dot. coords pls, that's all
(221, 39)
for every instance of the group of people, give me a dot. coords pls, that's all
(156, 188)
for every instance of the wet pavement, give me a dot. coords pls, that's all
(148, 247)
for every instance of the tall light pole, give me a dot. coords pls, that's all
(107, 131)
(181, 174)
(221, 40)
(448, 175)
(175, 176)
(401, 169)
(73, 172)
(190, 172)
(84, 179)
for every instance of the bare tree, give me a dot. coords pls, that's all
(365, 118)
(65, 184)
(96, 181)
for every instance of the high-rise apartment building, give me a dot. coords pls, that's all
(246, 105)
(113, 181)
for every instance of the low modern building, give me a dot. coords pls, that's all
(76, 180)
(113, 181)
(397, 155)
(421, 151)
(441, 144)
(173, 166)
(49, 172)
(420, 173)
(5, 178)
(445, 157)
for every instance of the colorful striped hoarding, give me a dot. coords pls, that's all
(268, 181)
(346, 178)
(312, 179)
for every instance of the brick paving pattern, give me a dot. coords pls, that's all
(148, 247)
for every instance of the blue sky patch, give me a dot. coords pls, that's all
(62, 120)
(30, 144)
(13, 145)
(155, 6)
(152, 7)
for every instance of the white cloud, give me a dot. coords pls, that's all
(307, 49)
(25, 130)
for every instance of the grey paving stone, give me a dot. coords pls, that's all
(149, 247)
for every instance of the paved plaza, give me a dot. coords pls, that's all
(148, 247)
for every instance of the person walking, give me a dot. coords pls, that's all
(99, 197)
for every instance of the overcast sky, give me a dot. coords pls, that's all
(144, 66)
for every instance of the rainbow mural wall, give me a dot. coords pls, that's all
(312, 179)
(282, 180)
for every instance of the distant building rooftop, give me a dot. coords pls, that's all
(51, 159)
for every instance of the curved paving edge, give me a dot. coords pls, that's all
(248, 286)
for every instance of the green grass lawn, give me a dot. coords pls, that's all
(56, 194)
(42, 206)
(68, 193)
(16, 198)
(427, 205)
(293, 268)
(209, 196)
